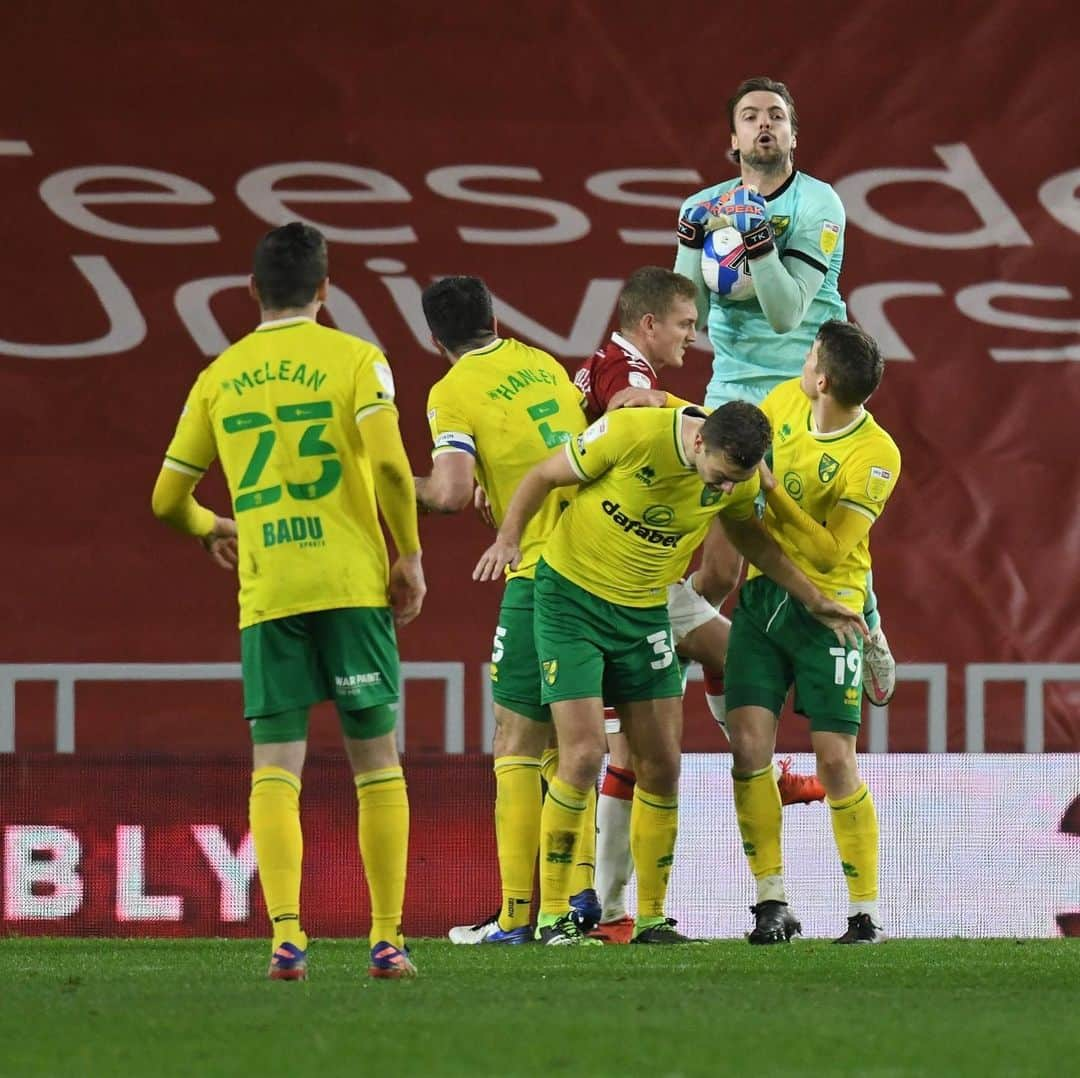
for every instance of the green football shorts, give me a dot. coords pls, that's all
(591, 647)
(348, 655)
(776, 643)
(515, 670)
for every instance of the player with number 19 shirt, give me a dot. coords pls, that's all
(280, 408)
(855, 469)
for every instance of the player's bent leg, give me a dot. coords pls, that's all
(855, 829)
(383, 831)
(274, 815)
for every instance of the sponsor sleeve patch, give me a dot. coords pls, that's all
(386, 380)
(877, 484)
(639, 381)
(830, 237)
(590, 434)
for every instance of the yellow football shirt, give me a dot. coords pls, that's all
(856, 468)
(641, 511)
(511, 406)
(281, 408)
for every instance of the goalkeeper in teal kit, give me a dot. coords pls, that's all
(792, 229)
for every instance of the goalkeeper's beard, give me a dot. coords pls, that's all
(767, 162)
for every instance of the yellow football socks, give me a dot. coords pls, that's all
(561, 822)
(584, 875)
(383, 827)
(549, 764)
(654, 826)
(517, 834)
(855, 827)
(758, 810)
(274, 813)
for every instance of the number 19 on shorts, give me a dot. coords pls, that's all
(846, 662)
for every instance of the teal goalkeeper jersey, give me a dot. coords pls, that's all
(750, 357)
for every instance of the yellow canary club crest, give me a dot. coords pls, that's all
(551, 670)
(494, 671)
(780, 224)
(827, 467)
(830, 237)
(877, 484)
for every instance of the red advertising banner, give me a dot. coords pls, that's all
(546, 150)
(160, 847)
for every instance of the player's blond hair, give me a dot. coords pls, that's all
(652, 290)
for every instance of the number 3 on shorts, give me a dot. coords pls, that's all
(661, 644)
(852, 660)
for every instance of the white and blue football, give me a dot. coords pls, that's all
(724, 265)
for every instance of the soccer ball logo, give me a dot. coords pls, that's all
(724, 265)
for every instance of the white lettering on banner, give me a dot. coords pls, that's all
(41, 872)
(127, 329)
(570, 223)
(234, 870)
(1001, 228)
(60, 192)
(1058, 196)
(611, 187)
(132, 902)
(937, 824)
(867, 304)
(64, 194)
(976, 301)
(589, 328)
(256, 190)
(193, 306)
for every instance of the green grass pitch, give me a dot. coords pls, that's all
(810, 1010)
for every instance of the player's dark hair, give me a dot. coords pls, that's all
(767, 85)
(458, 312)
(652, 290)
(290, 264)
(740, 430)
(850, 358)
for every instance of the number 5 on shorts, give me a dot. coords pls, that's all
(662, 647)
(852, 660)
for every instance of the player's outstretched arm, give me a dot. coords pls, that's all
(396, 496)
(824, 546)
(173, 502)
(750, 539)
(538, 483)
